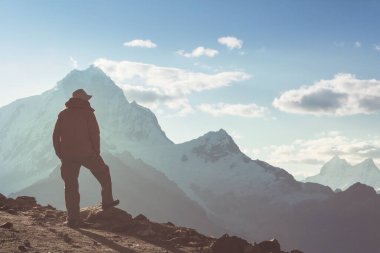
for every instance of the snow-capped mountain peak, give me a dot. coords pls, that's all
(219, 138)
(95, 82)
(367, 163)
(214, 145)
(335, 165)
(339, 174)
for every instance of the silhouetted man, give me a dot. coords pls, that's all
(76, 140)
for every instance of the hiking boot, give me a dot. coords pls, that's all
(110, 204)
(72, 223)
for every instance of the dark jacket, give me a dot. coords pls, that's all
(76, 133)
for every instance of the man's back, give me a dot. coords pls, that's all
(77, 131)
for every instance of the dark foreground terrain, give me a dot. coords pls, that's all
(26, 226)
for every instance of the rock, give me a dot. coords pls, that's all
(50, 216)
(296, 251)
(229, 244)
(50, 207)
(2, 199)
(251, 249)
(27, 244)
(20, 203)
(146, 232)
(67, 238)
(141, 217)
(112, 219)
(11, 211)
(175, 240)
(26, 200)
(170, 224)
(22, 248)
(272, 246)
(97, 214)
(7, 225)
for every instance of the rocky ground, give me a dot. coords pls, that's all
(26, 226)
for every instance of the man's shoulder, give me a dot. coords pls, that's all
(63, 112)
(75, 112)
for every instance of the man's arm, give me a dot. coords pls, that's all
(94, 133)
(57, 137)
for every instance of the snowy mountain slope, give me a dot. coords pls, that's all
(24, 129)
(26, 125)
(214, 164)
(339, 174)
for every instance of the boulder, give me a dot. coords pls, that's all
(26, 201)
(141, 217)
(271, 246)
(111, 216)
(2, 199)
(20, 203)
(7, 225)
(229, 244)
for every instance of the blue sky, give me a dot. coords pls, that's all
(276, 50)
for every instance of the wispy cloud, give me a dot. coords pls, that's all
(241, 110)
(198, 52)
(358, 44)
(73, 62)
(140, 43)
(377, 48)
(339, 44)
(320, 149)
(156, 86)
(343, 95)
(231, 42)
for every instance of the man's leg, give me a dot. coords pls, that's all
(102, 173)
(70, 173)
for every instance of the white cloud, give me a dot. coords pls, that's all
(231, 42)
(377, 48)
(156, 86)
(145, 95)
(154, 98)
(198, 52)
(140, 43)
(340, 96)
(242, 110)
(317, 151)
(358, 44)
(73, 62)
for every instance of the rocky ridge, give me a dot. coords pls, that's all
(26, 226)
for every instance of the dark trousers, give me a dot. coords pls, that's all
(70, 172)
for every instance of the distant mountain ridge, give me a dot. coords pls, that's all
(339, 174)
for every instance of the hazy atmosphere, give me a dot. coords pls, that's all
(195, 119)
(294, 82)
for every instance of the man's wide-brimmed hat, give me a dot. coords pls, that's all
(80, 93)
